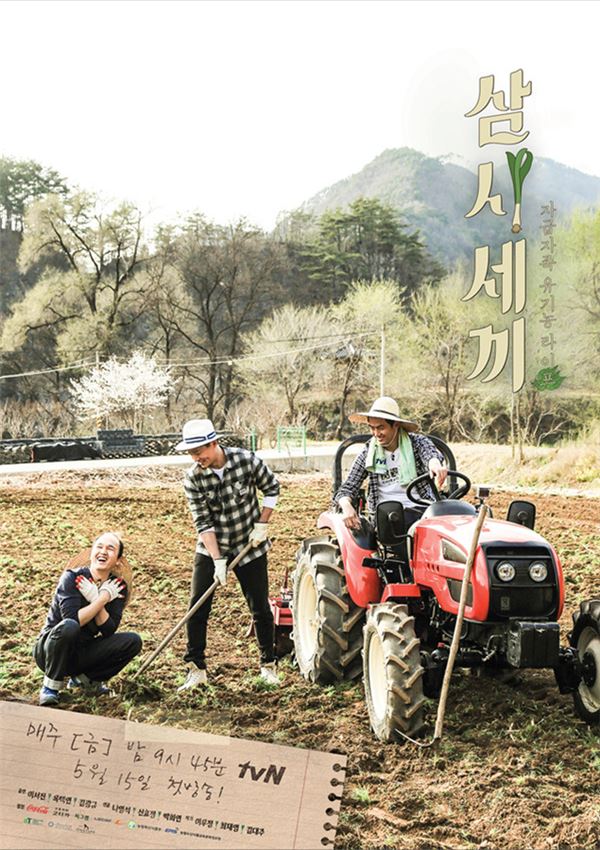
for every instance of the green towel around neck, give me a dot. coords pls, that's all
(375, 460)
(407, 468)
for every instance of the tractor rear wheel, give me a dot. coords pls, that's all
(392, 672)
(327, 628)
(585, 637)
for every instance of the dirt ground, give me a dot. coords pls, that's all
(516, 769)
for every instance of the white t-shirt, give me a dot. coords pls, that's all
(389, 486)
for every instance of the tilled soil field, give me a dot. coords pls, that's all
(516, 769)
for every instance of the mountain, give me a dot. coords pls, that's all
(433, 195)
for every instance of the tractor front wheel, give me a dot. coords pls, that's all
(392, 672)
(585, 637)
(327, 629)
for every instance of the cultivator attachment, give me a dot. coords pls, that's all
(281, 608)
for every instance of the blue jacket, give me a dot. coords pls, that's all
(68, 600)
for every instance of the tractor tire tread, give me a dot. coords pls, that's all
(406, 650)
(394, 688)
(416, 706)
(395, 659)
(349, 656)
(332, 652)
(400, 692)
(416, 674)
(333, 597)
(339, 570)
(393, 633)
(353, 619)
(341, 642)
(590, 607)
(586, 623)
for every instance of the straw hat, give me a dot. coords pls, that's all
(384, 408)
(122, 570)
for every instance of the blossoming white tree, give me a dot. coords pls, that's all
(124, 389)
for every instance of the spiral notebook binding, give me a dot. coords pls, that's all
(330, 811)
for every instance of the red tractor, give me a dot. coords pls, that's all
(383, 602)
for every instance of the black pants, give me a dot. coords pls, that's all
(254, 581)
(411, 515)
(61, 652)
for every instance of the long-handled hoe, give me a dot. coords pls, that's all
(167, 640)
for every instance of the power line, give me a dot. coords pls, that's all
(225, 360)
(327, 336)
(230, 360)
(78, 365)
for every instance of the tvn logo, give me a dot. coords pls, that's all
(272, 773)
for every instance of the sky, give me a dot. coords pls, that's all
(250, 108)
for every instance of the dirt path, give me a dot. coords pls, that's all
(516, 770)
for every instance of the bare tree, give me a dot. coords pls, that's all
(90, 304)
(369, 309)
(224, 281)
(289, 354)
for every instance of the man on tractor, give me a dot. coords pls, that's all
(221, 490)
(392, 458)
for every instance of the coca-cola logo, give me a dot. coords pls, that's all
(43, 810)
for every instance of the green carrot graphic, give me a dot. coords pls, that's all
(518, 166)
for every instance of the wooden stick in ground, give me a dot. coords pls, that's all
(189, 614)
(439, 723)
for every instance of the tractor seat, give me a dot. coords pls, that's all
(449, 507)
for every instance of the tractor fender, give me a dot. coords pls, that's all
(561, 581)
(364, 584)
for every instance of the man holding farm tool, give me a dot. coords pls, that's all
(392, 458)
(221, 490)
(79, 638)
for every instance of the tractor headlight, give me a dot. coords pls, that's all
(505, 571)
(538, 571)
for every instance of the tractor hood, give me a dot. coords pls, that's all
(459, 529)
(437, 546)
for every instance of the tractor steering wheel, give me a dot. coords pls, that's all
(458, 493)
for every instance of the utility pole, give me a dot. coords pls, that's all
(382, 362)
(98, 418)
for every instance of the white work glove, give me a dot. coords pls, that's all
(220, 570)
(114, 587)
(259, 533)
(87, 588)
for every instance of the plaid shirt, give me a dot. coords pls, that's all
(423, 450)
(229, 507)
